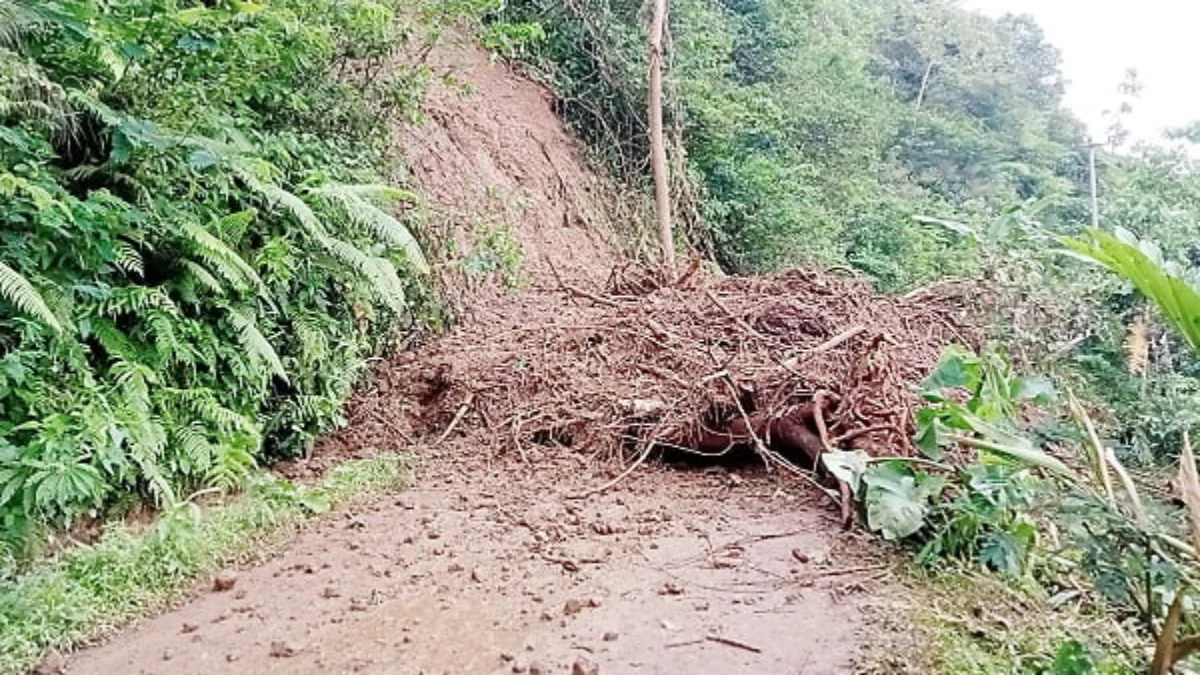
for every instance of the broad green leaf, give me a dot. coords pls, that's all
(1038, 389)
(847, 467)
(897, 499)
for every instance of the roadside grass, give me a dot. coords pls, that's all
(979, 623)
(91, 591)
(955, 621)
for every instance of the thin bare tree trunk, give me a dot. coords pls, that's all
(924, 84)
(658, 147)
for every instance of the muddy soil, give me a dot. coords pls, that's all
(496, 566)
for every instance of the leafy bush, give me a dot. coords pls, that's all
(195, 260)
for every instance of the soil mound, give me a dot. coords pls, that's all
(508, 191)
(787, 365)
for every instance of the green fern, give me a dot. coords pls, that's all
(129, 259)
(256, 344)
(385, 282)
(192, 448)
(201, 275)
(356, 201)
(204, 404)
(17, 290)
(223, 260)
(114, 340)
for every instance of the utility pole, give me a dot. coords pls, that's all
(1092, 175)
(658, 148)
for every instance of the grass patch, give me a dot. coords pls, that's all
(90, 591)
(977, 623)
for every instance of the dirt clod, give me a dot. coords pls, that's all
(610, 636)
(584, 666)
(573, 607)
(536, 668)
(189, 628)
(282, 650)
(224, 581)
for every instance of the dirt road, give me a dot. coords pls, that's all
(496, 569)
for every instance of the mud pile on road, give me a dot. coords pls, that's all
(788, 365)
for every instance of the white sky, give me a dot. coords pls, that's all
(1100, 39)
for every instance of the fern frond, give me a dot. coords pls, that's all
(356, 202)
(135, 300)
(114, 340)
(17, 290)
(301, 211)
(203, 276)
(232, 465)
(166, 340)
(191, 446)
(203, 404)
(222, 259)
(232, 228)
(256, 344)
(385, 282)
(312, 337)
(129, 259)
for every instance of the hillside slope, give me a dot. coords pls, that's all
(499, 172)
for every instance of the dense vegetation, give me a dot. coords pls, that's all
(195, 257)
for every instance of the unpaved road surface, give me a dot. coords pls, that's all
(496, 567)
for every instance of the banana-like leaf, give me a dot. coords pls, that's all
(1141, 264)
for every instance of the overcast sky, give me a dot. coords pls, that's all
(1100, 39)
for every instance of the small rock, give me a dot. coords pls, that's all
(573, 606)
(476, 576)
(800, 555)
(519, 666)
(454, 568)
(610, 636)
(189, 628)
(434, 534)
(536, 668)
(240, 594)
(408, 539)
(224, 581)
(507, 656)
(231, 657)
(330, 592)
(585, 666)
(671, 588)
(51, 665)
(282, 650)
(358, 605)
(167, 655)
(602, 528)
(570, 565)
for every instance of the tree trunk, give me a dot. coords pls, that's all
(658, 148)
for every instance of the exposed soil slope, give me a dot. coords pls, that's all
(497, 167)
